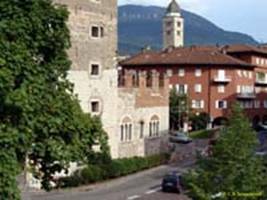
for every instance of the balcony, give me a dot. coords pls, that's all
(222, 79)
(251, 95)
(261, 82)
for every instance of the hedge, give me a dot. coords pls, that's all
(202, 134)
(116, 168)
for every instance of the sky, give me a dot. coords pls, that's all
(246, 16)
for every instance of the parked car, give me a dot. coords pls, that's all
(261, 153)
(180, 137)
(172, 183)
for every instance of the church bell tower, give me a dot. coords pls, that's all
(173, 26)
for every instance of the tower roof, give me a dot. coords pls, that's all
(173, 7)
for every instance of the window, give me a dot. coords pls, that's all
(198, 72)
(257, 61)
(130, 132)
(181, 89)
(142, 129)
(246, 104)
(198, 88)
(168, 23)
(245, 73)
(238, 89)
(94, 31)
(97, 31)
(250, 75)
(94, 69)
(262, 61)
(179, 24)
(181, 72)
(245, 89)
(260, 77)
(168, 32)
(198, 104)
(256, 104)
(221, 104)
(154, 126)
(126, 130)
(179, 33)
(221, 74)
(169, 72)
(239, 73)
(95, 108)
(221, 89)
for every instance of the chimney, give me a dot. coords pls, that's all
(146, 48)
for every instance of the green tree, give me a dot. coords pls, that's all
(199, 122)
(232, 167)
(179, 109)
(40, 118)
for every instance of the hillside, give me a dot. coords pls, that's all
(142, 25)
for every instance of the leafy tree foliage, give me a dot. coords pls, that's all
(200, 121)
(40, 118)
(233, 166)
(179, 109)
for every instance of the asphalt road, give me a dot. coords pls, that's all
(141, 186)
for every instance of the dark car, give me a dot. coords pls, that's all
(179, 137)
(172, 183)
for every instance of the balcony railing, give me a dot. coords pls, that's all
(222, 79)
(251, 95)
(261, 82)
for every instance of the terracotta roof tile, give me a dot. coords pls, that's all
(197, 55)
(243, 48)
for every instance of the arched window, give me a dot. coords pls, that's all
(126, 130)
(142, 129)
(154, 126)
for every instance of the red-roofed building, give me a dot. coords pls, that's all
(213, 77)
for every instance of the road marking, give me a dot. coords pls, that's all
(153, 191)
(133, 197)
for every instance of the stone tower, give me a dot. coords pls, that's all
(93, 31)
(173, 26)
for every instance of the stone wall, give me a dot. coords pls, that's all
(141, 104)
(107, 94)
(87, 50)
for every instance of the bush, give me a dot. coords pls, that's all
(71, 181)
(92, 174)
(114, 169)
